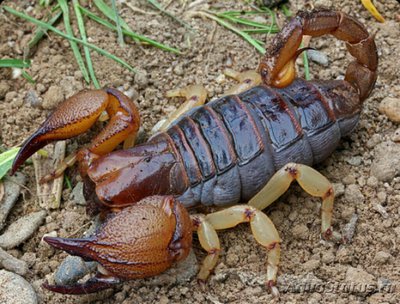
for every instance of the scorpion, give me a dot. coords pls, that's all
(244, 147)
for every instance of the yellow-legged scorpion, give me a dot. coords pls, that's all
(245, 147)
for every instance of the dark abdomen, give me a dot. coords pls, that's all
(232, 146)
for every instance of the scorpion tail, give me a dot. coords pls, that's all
(277, 67)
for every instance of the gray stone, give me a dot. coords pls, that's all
(353, 194)
(72, 269)
(361, 280)
(318, 57)
(15, 290)
(21, 230)
(386, 163)
(182, 272)
(8, 262)
(12, 187)
(77, 195)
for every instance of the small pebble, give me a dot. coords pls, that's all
(300, 232)
(338, 189)
(53, 97)
(4, 89)
(72, 269)
(350, 229)
(32, 99)
(318, 57)
(360, 278)
(12, 188)
(182, 272)
(391, 108)
(77, 194)
(381, 210)
(8, 262)
(386, 163)
(21, 230)
(141, 79)
(353, 194)
(14, 289)
(381, 257)
(396, 135)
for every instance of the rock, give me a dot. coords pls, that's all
(360, 279)
(386, 163)
(372, 181)
(182, 272)
(32, 99)
(390, 106)
(15, 290)
(338, 189)
(311, 265)
(8, 262)
(141, 79)
(12, 187)
(396, 135)
(318, 57)
(21, 230)
(381, 257)
(77, 195)
(353, 194)
(300, 232)
(53, 97)
(4, 88)
(72, 269)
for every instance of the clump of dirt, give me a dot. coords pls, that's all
(370, 259)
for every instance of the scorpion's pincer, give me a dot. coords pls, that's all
(137, 242)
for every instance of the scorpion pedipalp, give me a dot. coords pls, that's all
(137, 242)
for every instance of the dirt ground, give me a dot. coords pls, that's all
(372, 257)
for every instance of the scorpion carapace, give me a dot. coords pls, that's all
(248, 146)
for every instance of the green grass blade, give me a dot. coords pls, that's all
(27, 77)
(6, 160)
(306, 64)
(229, 26)
(82, 31)
(245, 21)
(110, 13)
(161, 9)
(129, 33)
(66, 36)
(270, 30)
(117, 24)
(14, 63)
(40, 32)
(75, 49)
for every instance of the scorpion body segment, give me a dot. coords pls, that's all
(242, 147)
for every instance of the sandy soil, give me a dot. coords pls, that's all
(372, 257)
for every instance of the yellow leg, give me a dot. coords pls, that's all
(263, 229)
(195, 96)
(372, 9)
(311, 181)
(247, 80)
(209, 241)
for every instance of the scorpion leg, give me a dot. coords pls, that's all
(195, 96)
(210, 242)
(246, 79)
(77, 114)
(263, 229)
(311, 181)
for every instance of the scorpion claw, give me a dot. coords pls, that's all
(137, 242)
(95, 284)
(79, 247)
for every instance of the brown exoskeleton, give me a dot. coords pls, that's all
(239, 148)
